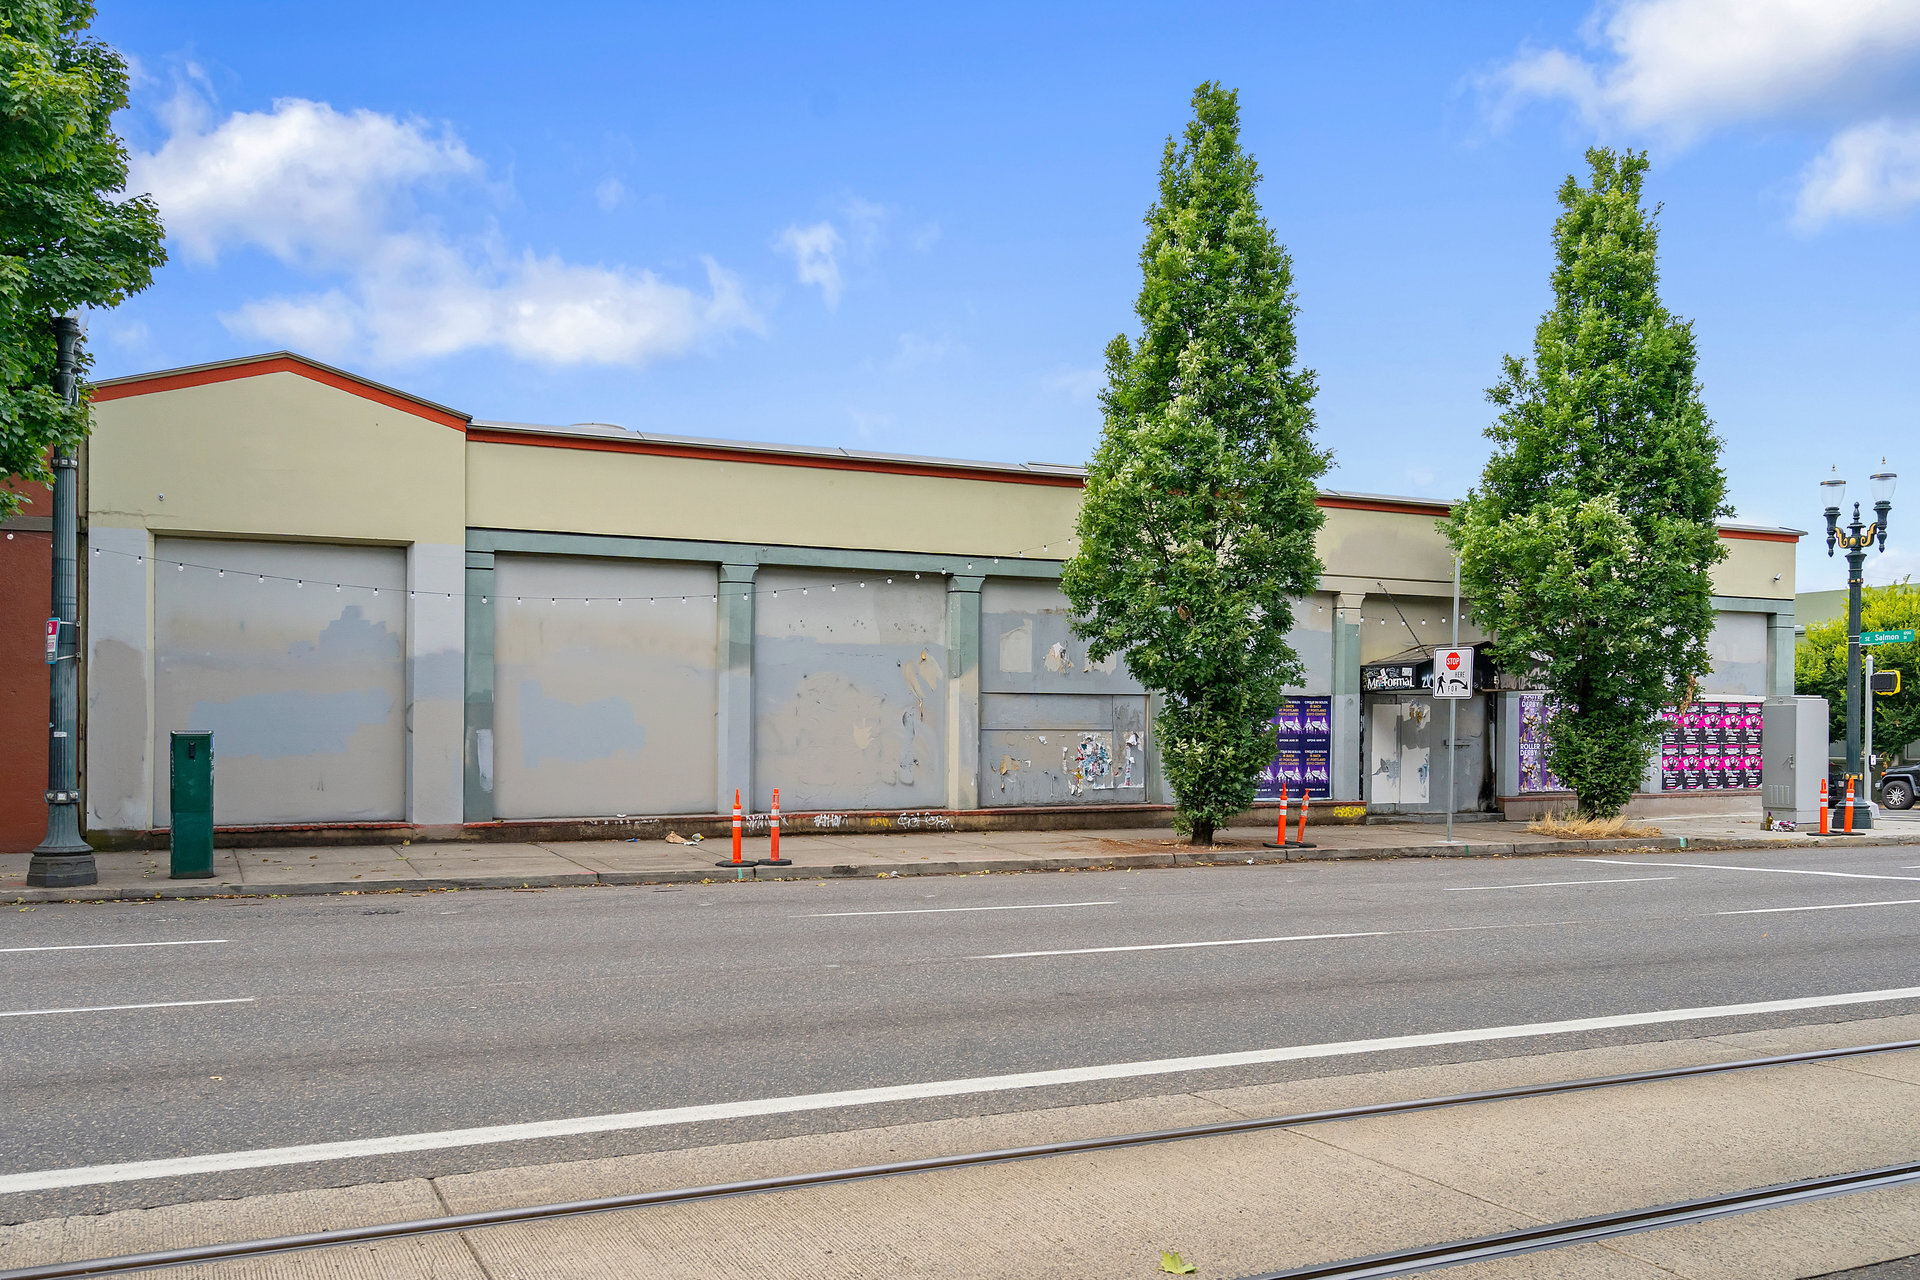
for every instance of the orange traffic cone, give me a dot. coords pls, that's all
(1279, 840)
(776, 860)
(735, 861)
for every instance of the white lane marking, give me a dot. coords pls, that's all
(1832, 906)
(1297, 937)
(934, 911)
(114, 1008)
(311, 1153)
(1722, 866)
(108, 946)
(1182, 946)
(1554, 884)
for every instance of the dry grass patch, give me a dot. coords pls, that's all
(1576, 826)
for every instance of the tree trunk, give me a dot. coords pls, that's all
(1202, 833)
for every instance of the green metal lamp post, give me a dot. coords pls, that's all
(64, 859)
(1856, 538)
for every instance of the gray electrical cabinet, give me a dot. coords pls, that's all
(1793, 755)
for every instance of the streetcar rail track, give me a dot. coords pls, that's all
(1427, 1257)
(1556, 1235)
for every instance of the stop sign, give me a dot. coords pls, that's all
(1453, 662)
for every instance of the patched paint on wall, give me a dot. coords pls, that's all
(290, 722)
(1738, 647)
(603, 708)
(575, 733)
(1028, 645)
(849, 690)
(303, 686)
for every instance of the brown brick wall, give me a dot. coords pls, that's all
(26, 598)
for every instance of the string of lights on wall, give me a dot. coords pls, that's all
(977, 564)
(856, 584)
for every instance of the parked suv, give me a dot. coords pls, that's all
(1899, 785)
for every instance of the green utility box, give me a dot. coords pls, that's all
(190, 775)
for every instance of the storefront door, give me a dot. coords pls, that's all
(1406, 753)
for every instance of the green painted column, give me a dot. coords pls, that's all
(963, 691)
(733, 738)
(477, 797)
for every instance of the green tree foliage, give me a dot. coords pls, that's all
(1197, 528)
(66, 240)
(1587, 546)
(1820, 666)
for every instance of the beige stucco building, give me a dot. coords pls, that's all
(390, 612)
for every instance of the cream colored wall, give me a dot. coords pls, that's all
(1755, 568)
(1359, 548)
(275, 455)
(644, 495)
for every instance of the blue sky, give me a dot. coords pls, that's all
(915, 230)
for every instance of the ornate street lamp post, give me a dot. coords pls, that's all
(64, 858)
(1856, 538)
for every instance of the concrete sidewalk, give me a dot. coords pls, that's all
(450, 865)
(1232, 1205)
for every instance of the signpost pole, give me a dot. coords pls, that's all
(1866, 752)
(1453, 708)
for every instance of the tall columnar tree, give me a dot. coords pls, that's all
(68, 239)
(1197, 527)
(1587, 547)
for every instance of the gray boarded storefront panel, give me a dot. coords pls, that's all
(294, 659)
(602, 707)
(1056, 727)
(849, 689)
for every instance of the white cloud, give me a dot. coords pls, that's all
(332, 194)
(1868, 171)
(300, 180)
(610, 193)
(816, 257)
(426, 299)
(1685, 66)
(325, 324)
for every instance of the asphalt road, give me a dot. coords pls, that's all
(365, 1017)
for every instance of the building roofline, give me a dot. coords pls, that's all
(602, 436)
(598, 436)
(200, 375)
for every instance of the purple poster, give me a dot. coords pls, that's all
(1534, 773)
(1303, 753)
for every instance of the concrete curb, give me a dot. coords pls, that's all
(186, 890)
